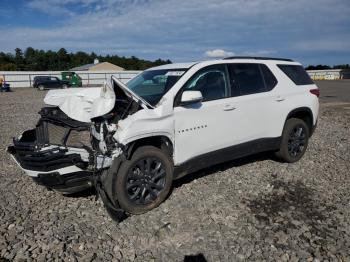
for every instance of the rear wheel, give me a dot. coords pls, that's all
(144, 181)
(295, 139)
(41, 87)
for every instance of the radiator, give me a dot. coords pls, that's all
(49, 133)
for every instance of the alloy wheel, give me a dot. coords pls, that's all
(296, 141)
(145, 181)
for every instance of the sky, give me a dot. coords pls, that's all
(312, 32)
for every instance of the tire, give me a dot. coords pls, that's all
(64, 86)
(41, 87)
(295, 138)
(139, 191)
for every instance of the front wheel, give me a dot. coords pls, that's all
(64, 86)
(41, 87)
(294, 142)
(144, 181)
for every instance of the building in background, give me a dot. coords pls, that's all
(97, 66)
(329, 74)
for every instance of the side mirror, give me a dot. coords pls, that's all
(191, 97)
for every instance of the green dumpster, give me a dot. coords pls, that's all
(73, 78)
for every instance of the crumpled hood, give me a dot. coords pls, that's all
(82, 104)
(131, 93)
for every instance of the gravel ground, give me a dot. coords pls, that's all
(251, 209)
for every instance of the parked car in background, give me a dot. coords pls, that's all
(132, 140)
(48, 82)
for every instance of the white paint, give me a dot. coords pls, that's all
(189, 96)
(82, 104)
(214, 124)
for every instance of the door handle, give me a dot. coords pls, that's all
(279, 99)
(229, 108)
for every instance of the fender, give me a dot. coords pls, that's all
(302, 110)
(164, 139)
(149, 135)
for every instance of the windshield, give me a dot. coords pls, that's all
(151, 85)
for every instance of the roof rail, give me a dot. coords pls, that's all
(258, 58)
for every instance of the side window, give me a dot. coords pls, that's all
(246, 79)
(212, 81)
(270, 79)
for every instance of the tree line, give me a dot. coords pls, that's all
(322, 67)
(39, 60)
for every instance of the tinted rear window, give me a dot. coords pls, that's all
(297, 74)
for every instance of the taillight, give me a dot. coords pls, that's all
(315, 92)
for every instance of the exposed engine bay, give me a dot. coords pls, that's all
(104, 127)
(96, 137)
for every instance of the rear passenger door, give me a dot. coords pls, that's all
(253, 96)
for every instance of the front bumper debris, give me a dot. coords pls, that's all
(45, 155)
(45, 160)
(67, 183)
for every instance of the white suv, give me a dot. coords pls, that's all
(131, 141)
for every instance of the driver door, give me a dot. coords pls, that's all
(205, 126)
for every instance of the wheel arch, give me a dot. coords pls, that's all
(162, 142)
(303, 113)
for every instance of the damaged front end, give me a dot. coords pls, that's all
(72, 143)
(56, 153)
